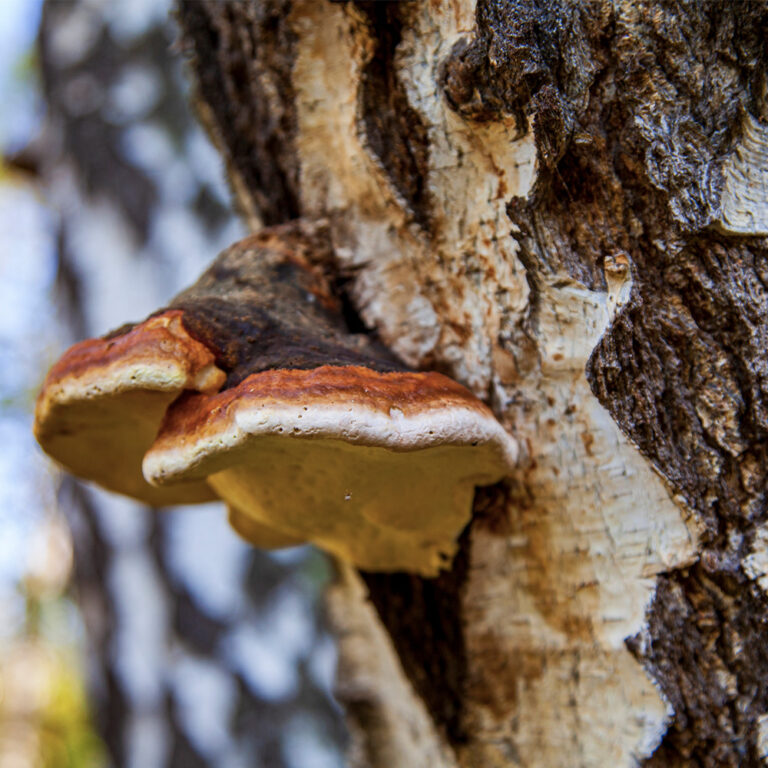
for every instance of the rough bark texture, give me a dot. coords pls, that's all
(563, 206)
(393, 130)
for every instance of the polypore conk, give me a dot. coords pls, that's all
(102, 403)
(318, 434)
(378, 468)
(321, 435)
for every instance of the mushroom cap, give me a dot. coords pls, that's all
(376, 467)
(102, 404)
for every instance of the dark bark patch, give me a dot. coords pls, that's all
(242, 56)
(685, 372)
(424, 620)
(705, 644)
(528, 58)
(394, 131)
(502, 675)
(491, 510)
(629, 156)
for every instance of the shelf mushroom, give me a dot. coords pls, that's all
(378, 468)
(102, 403)
(318, 434)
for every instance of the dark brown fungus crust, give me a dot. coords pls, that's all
(262, 305)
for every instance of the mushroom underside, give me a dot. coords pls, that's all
(257, 533)
(380, 509)
(104, 439)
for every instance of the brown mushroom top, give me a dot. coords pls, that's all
(347, 386)
(102, 403)
(157, 354)
(399, 411)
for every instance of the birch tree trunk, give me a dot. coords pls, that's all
(563, 206)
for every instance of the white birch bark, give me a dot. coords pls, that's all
(550, 600)
(599, 547)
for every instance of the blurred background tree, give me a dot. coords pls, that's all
(195, 649)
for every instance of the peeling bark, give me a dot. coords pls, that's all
(562, 206)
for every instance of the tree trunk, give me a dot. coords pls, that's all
(563, 206)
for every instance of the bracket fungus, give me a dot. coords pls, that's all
(310, 433)
(102, 403)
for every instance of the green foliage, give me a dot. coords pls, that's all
(67, 739)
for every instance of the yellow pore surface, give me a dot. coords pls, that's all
(104, 439)
(379, 509)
